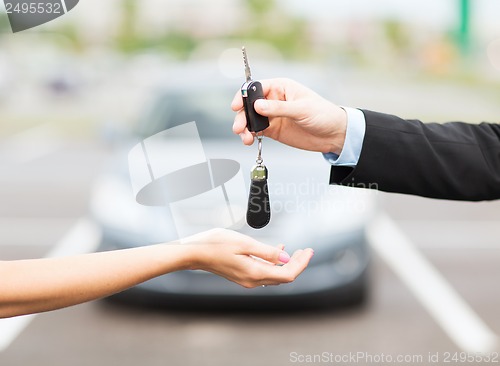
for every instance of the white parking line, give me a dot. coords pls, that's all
(447, 308)
(82, 237)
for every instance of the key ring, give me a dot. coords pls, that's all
(259, 160)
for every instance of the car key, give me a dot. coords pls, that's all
(251, 91)
(259, 208)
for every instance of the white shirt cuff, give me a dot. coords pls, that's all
(355, 134)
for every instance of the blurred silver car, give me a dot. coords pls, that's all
(306, 211)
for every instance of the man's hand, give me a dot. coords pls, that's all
(298, 117)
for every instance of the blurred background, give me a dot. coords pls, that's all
(70, 88)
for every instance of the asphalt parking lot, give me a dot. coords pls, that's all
(443, 300)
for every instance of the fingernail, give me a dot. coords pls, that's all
(262, 104)
(284, 257)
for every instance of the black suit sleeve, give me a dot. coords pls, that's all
(455, 160)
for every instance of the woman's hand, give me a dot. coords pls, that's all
(35, 285)
(298, 117)
(244, 260)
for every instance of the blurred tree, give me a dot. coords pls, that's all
(72, 37)
(130, 38)
(268, 23)
(4, 23)
(260, 6)
(398, 35)
(127, 39)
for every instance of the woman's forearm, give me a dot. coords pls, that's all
(30, 286)
(36, 285)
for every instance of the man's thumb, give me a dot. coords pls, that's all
(277, 108)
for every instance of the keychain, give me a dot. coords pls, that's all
(258, 210)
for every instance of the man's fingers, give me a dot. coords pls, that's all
(247, 137)
(240, 128)
(279, 108)
(277, 87)
(240, 123)
(237, 102)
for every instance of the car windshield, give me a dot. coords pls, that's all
(210, 110)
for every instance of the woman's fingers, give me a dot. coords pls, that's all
(246, 261)
(295, 266)
(276, 275)
(267, 252)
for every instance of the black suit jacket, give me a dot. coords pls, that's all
(455, 160)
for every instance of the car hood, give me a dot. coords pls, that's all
(305, 209)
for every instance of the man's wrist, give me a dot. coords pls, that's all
(353, 140)
(340, 136)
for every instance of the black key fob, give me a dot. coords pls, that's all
(251, 91)
(258, 210)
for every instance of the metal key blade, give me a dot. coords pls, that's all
(248, 74)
